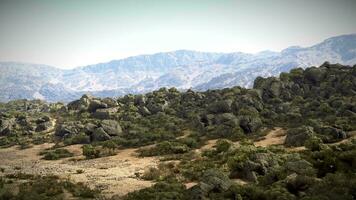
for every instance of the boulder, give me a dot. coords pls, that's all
(80, 105)
(297, 136)
(271, 87)
(89, 128)
(99, 135)
(68, 129)
(144, 111)
(104, 113)
(7, 126)
(111, 127)
(96, 104)
(140, 100)
(110, 102)
(212, 181)
(156, 107)
(250, 124)
(314, 75)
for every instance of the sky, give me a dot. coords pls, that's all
(71, 33)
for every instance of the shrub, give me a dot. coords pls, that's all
(89, 151)
(56, 154)
(80, 138)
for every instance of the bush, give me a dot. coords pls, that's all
(89, 151)
(80, 138)
(161, 191)
(56, 154)
(164, 148)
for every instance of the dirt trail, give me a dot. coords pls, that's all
(114, 175)
(276, 136)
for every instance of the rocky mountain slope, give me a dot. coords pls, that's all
(289, 137)
(182, 69)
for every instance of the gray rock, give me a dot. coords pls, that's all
(96, 104)
(250, 124)
(110, 102)
(7, 126)
(69, 129)
(89, 128)
(111, 127)
(105, 113)
(144, 111)
(99, 135)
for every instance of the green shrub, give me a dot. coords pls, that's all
(56, 154)
(89, 151)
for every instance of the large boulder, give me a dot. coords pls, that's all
(250, 124)
(212, 181)
(81, 104)
(96, 104)
(110, 102)
(314, 75)
(7, 126)
(89, 128)
(271, 87)
(104, 113)
(297, 136)
(154, 107)
(99, 135)
(140, 100)
(111, 127)
(144, 111)
(68, 129)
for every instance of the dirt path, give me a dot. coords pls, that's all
(276, 136)
(114, 175)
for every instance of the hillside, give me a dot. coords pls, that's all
(182, 69)
(288, 137)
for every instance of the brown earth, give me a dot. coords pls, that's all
(114, 175)
(276, 136)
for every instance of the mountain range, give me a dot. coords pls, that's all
(182, 69)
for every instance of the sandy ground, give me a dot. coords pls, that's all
(276, 136)
(114, 175)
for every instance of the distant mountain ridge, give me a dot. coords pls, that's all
(182, 69)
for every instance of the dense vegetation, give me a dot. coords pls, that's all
(317, 107)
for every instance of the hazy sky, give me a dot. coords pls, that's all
(69, 33)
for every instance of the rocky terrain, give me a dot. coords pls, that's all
(288, 137)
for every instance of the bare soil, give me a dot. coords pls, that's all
(114, 175)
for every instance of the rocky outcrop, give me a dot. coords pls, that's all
(297, 136)
(111, 127)
(7, 126)
(212, 181)
(99, 134)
